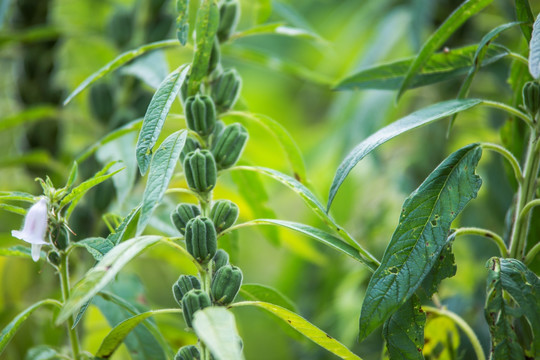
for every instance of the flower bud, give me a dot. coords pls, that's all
(226, 89)
(223, 214)
(189, 352)
(53, 257)
(220, 259)
(225, 284)
(531, 97)
(34, 228)
(200, 114)
(60, 237)
(193, 301)
(201, 239)
(229, 145)
(182, 214)
(200, 171)
(183, 285)
(229, 13)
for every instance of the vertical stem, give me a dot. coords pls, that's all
(64, 282)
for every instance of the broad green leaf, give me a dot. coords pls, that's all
(29, 115)
(438, 38)
(257, 292)
(524, 14)
(161, 171)
(19, 251)
(421, 235)
(511, 276)
(117, 335)
(9, 331)
(440, 67)
(444, 268)
(101, 274)
(206, 27)
(216, 327)
(156, 114)
(17, 196)
(416, 119)
(118, 62)
(404, 331)
(182, 21)
(127, 228)
(96, 246)
(14, 209)
(304, 327)
(534, 50)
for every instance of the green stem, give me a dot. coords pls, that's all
(463, 326)
(529, 206)
(532, 254)
(508, 156)
(499, 241)
(518, 57)
(63, 272)
(510, 110)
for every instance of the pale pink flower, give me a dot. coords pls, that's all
(35, 227)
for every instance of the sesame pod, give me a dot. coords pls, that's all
(102, 102)
(189, 352)
(193, 301)
(120, 27)
(182, 214)
(226, 89)
(53, 257)
(60, 237)
(184, 284)
(215, 57)
(223, 214)
(200, 171)
(218, 129)
(220, 259)
(201, 239)
(225, 284)
(229, 13)
(531, 97)
(229, 145)
(200, 114)
(190, 145)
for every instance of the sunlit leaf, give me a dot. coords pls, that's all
(441, 332)
(534, 50)
(29, 115)
(96, 246)
(127, 228)
(257, 292)
(17, 196)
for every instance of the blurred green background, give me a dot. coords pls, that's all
(48, 47)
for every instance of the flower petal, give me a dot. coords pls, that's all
(36, 251)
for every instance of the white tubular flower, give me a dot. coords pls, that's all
(35, 227)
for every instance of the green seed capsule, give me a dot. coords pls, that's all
(201, 239)
(220, 259)
(226, 89)
(189, 352)
(190, 145)
(60, 237)
(224, 214)
(182, 214)
(215, 57)
(193, 301)
(53, 257)
(229, 145)
(225, 284)
(102, 102)
(531, 97)
(229, 13)
(200, 114)
(200, 171)
(184, 284)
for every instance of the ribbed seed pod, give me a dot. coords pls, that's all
(190, 145)
(193, 301)
(225, 284)
(220, 259)
(218, 129)
(102, 102)
(215, 57)
(226, 89)
(200, 171)
(183, 285)
(200, 114)
(189, 352)
(223, 214)
(182, 214)
(60, 237)
(229, 13)
(531, 97)
(201, 239)
(229, 145)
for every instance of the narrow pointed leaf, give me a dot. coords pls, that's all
(17, 196)
(257, 292)
(161, 171)
(421, 235)
(439, 37)
(279, 29)
(182, 21)
(534, 50)
(419, 118)
(96, 246)
(14, 209)
(524, 14)
(19, 251)
(156, 114)
(127, 228)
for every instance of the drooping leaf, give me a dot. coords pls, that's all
(118, 62)
(438, 38)
(127, 228)
(304, 327)
(440, 67)
(156, 114)
(421, 236)
(216, 327)
(524, 14)
(96, 246)
(257, 292)
(32, 114)
(404, 331)
(161, 171)
(100, 275)
(416, 119)
(534, 50)
(14, 209)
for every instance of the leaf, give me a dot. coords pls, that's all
(441, 332)
(421, 235)
(182, 21)
(151, 68)
(117, 335)
(534, 50)
(511, 276)
(416, 119)
(161, 171)
(127, 228)
(440, 67)
(444, 268)
(404, 331)
(524, 14)
(156, 114)
(304, 327)
(438, 38)
(30, 115)
(73, 173)
(14, 209)
(9, 331)
(118, 62)
(42, 352)
(17, 196)
(101, 274)
(96, 246)
(216, 327)
(257, 292)
(279, 29)
(19, 251)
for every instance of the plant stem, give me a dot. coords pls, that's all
(511, 110)
(508, 156)
(463, 326)
(532, 253)
(499, 241)
(63, 272)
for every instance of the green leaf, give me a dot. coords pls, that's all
(524, 14)
(511, 276)
(33, 114)
(438, 38)
(257, 292)
(100, 275)
(263, 10)
(182, 21)
(156, 114)
(17, 196)
(127, 228)
(42, 352)
(304, 327)
(118, 62)
(440, 67)
(19, 251)
(96, 246)
(416, 119)
(151, 68)
(216, 327)
(161, 171)
(421, 235)
(279, 29)
(14, 209)
(73, 173)
(117, 335)
(534, 50)
(404, 331)
(9, 331)
(444, 268)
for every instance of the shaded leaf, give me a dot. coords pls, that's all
(30, 115)
(151, 68)
(534, 50)
(127, 228)
(524, 14)
(441, 332)
(19, 251)
(443, 268)
(96, 246)
(182, 21)
(279, 29)
(14, 209)
(257, 292)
